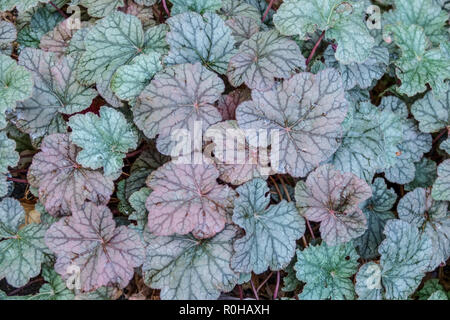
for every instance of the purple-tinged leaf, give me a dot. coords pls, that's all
(187, 198)
(306, 112)
(332, 198)
(90, 241)
(62, 182)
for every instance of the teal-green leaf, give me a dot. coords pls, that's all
(424, 13)
(101, 8)
(327, 271)
(419, 65)
(112, 42)
(433, 113)
(270, 231)
(55, 92)
(405, 255)
(129, 80)
(104, 139)
(21, 5)
(200, 6)
(441, 187)
(22, 248)
(378, 211)
(196, 38)
(341, 20)
(432, 218)
(187, 268)
(8, 158)
(16, 84)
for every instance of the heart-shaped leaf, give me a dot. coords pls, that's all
(195, 38)
(270, 231)
(105, 140)
(184, 267)
(305, 112)
(332, 198)
(90, 242)
(187, 198)
(178, 98)
(61, 181)
(22, 249)
(265, 56)
(327, 271)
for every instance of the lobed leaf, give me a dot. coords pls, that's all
(89, 240)
(305, 112)
(332, 198)
(265, 56)
(270, 231)
(62, 182)
(184, 267)
(196, 38)
(104, 139)
(187, 198)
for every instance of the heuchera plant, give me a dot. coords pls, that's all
(205, 149)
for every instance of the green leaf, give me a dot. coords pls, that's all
(137, 202)
(424, 13)
(184, 267)
(112, 42)
(239, 8)
(432, 113)
(270, 231)
(8, 32)
(341, 20)
(377, 211)
(370, 135)
(55, 92)
(429, 288)
(432, 218)
(54, 289)
(265, 56)
(327, 271)
(42, 21)
(424, 176)
(22, 250)
(101, 8)
(130, 80)
(8, 158)
(405, 256)
(195, 38)
(200, 6)
(401, 169)
(104, 139)
(360, 74)
(15, 85)
(441, 187)
(419, 65)
(21, 5)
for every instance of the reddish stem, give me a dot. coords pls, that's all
(264, 282)
(241, 293)
(275, 294)
(59, 10)
(313, 52)
(267, 10)
(254, 290)
(17, 180)
(310, 229)
(23, 287)
(165, 7)
(441, 134)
